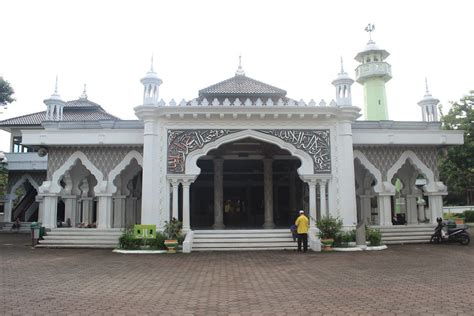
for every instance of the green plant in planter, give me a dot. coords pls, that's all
(329, 227)
(374, 236)
(128, 241)
(344, 238)
(173, 229)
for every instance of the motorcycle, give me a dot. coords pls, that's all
(444, 234)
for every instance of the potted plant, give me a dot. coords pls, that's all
(373, 236)
(172, 233)
(346, 239)
(328, 227)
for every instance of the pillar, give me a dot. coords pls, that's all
(131, 211)
(268, 193)
(119, 211)
(39, 200)
(365, 208)
(175, 197)
(411, 209)
(7, 217)
(104, 211)
(312, 205)
(435, 201)
(322, 195)
(50, 210)
(150, 201)
(87, 210)
(70, 208)
(218, 194)
(186, 217)
(385, 210)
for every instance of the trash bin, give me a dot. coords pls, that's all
(35, 233)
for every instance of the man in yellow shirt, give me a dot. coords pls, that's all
(302, 224)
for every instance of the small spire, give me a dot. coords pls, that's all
(240, 71)
(84, 93)
(342, 66)
(56, 86)
(426, 86)
(151, 66)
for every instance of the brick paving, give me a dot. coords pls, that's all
(403, 280)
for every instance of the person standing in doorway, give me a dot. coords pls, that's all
(302, 224)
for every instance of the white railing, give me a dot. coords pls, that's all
(374, 69)
(245, 103)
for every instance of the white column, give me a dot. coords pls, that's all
(119, 211)
(87, 210)
(70, 208)
(385, 210)
(435, 201)
(7, 217)
(104, 211)
(218, 194)
(175, 198)
(50, 210)
(411, 209)
(186, 217)
(268, 193)
(347, 195)
(322, 195)
(39, 199)
(150, 200)
(365, 208)
(312, 205)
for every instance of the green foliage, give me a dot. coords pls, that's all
(345, 237)
(173, 229)
(469, 216)
(329, 227)
(374, 236)
(158, 242)
(128, 241)
(457, 165)
(6, 92)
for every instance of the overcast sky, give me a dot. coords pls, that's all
(294, 45)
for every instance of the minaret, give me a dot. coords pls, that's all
(343, 85)
(373, 73)
(429, 106)
(151, 84)
(54, 106)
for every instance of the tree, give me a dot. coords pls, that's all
(457, 165)
(6, 92)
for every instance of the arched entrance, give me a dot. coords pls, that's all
(251, 182)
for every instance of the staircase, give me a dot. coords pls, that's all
(81, 238)
(243, 239)
(406, 234)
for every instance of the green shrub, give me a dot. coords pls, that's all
(158, 242)
(374, 236)
(469, 216)
(173, 229)
(329, 227)
(345, 237)
(128, 241)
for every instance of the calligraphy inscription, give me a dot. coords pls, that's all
(314, 142)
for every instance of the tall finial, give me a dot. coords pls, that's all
(84, 93)
(426, 86)
(240, 71)
(151, 67)
(342, 66)
(370, 28)
(56, 86)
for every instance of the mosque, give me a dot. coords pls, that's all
(241, 155)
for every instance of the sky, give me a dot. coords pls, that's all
(294, 45)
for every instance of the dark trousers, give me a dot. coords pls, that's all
(303, 238)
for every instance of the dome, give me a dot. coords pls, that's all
(370, 47)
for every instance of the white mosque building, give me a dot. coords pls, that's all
(241, 155)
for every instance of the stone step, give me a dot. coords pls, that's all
(415, 233)
(82, 237)
(241, 240)
(66, 234)
(243, 249)
(240, 231)
(398, 242)
(101, 246)
(245, 245)
(250, 235)
(78, 241)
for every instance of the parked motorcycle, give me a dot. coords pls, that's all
(444, 234)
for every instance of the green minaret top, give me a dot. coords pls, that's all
(372, 73)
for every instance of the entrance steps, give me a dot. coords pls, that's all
(243, 239)
(81, 238)
(406, 234)
(24, 228)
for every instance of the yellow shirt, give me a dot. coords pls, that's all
(302, 223)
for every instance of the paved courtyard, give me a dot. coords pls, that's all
(411, 279)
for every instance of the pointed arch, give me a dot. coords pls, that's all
(111, 188)
(371, 168)
(69, 164)
(23, 179)
(417, 164)
(191, 167)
